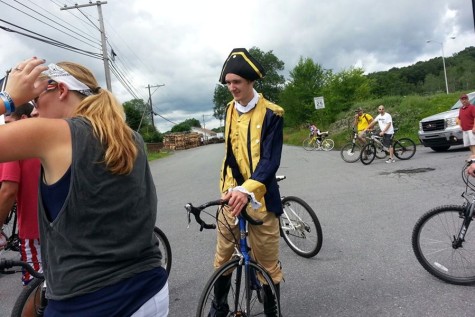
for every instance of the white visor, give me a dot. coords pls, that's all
(59, 75)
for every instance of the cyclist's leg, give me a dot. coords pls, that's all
(388, 142)
(361, 138)
(264, 241)
(227, 233)
(30, 253)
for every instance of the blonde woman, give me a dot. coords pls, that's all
(97, 201)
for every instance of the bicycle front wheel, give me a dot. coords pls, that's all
(309, 144)
(404, 148)
(300, 228)
(243, 299)
(328, 144)
(368, 153)
(28, 302)
(432, 239)
(350, 152)
(165, 249)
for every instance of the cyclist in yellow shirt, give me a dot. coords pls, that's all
(362, 120)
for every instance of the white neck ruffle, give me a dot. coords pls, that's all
(249, 106)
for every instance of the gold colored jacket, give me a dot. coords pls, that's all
(253, 149)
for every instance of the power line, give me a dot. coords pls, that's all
(121, 73)
(84, 35)
(35, 18)
(50, 41)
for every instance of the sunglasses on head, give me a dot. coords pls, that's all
(52, 85)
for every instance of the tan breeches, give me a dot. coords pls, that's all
(263, 240)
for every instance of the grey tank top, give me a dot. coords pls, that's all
(104, 230)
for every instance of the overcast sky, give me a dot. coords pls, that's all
(182, 44)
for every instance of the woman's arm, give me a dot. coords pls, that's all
(47, 139)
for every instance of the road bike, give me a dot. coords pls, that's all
(350, 152)
(299, 226)
(251, 290)
(10, 231)
(312, 142)
(444, 242)
(33, 296)
(404, 148)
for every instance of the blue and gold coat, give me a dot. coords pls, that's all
(253, 149)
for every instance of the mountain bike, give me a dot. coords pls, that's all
(312, 142)
(299, 226)
(404, 148)
(10, 232)
(350, 152)
(251, 290)
(33, 296)
(444, 242)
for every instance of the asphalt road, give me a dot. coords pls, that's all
(366, 266)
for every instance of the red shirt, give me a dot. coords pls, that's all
(466, 117)
(26, 173)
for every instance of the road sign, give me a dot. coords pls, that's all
(319, 103)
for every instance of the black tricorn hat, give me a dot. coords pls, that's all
(241, 63)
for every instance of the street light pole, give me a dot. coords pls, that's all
(443, 62)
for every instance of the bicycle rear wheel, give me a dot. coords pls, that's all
(309, 144)
(300, 228)
(328, 144)
(350, 152)
(28, 302)
(404, 148)
(368, 153)
(243, 299)
(432, 239)
(165, 249)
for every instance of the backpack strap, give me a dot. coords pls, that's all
(366, 117)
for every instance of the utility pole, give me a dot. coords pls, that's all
(105, 56)
(150, 101)
(204, 126)
(473, 12)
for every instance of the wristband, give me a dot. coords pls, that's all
(470, 161)
(8, 102)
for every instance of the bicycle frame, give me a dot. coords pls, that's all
(242, 251)
(376, 139)
(243, 254)
(468, 214)
(291, 225)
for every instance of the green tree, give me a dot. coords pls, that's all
(134, 110)
(272, 84)
(186, 125)
(344, 89)
(220, 99)
(307, 80)
(136, 116)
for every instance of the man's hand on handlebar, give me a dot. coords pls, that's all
(471, 170)
(236, 201)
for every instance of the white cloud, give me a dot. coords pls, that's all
(183, 43)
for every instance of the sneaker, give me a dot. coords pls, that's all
(390, 161)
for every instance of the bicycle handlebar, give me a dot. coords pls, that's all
(196, 211)
(8, 264)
